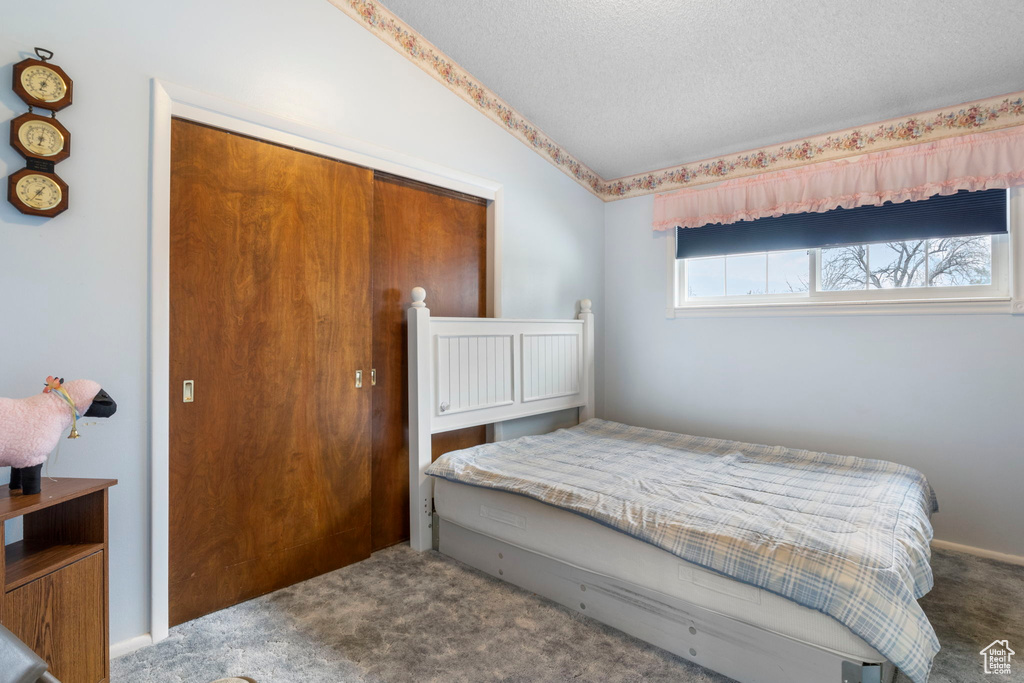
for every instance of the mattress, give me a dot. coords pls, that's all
(575, 540)
(845, 536)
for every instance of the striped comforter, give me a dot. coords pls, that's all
(846, 536)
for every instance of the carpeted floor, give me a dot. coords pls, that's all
(406, 616)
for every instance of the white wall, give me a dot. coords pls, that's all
(74, 289)
(939, 393)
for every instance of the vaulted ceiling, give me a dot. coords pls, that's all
(630, 86)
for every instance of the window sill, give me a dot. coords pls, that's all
(985, 306)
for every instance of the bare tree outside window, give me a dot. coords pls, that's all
(960, 261)
(946, 262)
(939, 262)
(844, 268)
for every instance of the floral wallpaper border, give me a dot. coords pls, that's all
(393, 31)
(973, 117)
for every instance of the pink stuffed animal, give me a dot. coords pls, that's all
(30, 427)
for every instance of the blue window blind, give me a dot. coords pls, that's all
(955, 215)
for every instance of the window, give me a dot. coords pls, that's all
(934, 264)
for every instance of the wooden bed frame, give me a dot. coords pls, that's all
(466, 372)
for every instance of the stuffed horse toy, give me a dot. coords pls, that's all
(30, 427)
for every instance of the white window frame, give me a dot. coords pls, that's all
(1004, 295)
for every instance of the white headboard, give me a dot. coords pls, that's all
(465, 372)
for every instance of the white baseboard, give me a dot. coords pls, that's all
(980, 552)
(126, 647)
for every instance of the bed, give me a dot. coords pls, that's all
(762, 563)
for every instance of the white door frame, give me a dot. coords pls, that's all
(169, 100)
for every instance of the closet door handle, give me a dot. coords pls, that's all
(373, 377)
(359, 379)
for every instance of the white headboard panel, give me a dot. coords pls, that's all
(473, 372)
(465, 372)
(552, 365)
(487, 370)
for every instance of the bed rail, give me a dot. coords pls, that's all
(465, 372)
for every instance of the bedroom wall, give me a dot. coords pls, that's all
(74, 289)
(940, 393)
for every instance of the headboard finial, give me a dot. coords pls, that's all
(585, 305)
(419, 295)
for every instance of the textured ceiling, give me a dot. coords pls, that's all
(631, 86)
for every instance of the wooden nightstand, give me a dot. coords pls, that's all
(55, 581)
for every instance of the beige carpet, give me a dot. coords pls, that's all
(407, 616)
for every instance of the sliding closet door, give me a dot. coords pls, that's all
(270, 320)
(423, 236)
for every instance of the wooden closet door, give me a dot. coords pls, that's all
(270, 317)
(423, 236)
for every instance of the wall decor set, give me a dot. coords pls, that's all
(44, 142)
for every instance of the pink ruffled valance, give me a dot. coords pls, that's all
(981, 161)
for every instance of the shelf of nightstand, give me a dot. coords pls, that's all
(27, 561)
(55, 492)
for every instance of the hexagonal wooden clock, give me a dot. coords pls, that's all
(41, 84)
(37, 192)
(40, 137)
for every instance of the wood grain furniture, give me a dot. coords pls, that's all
(270, 310)
(290, 274)
(471, 371)
(55, 580)
(432, 238)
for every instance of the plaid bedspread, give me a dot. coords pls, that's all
(846, 536)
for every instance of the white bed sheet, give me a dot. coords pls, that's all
(578, 541)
